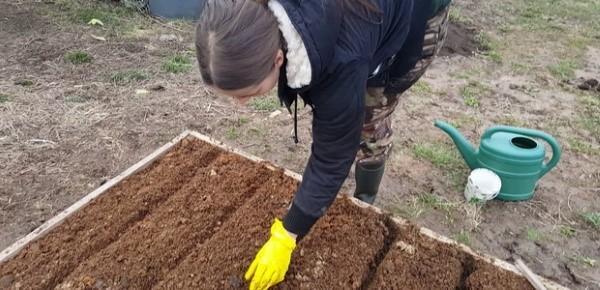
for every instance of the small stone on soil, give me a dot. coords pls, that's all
(589, 84)
(141, 92)
(405, 247)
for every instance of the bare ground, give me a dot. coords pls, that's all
(65, 128)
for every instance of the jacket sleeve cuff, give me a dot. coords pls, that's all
(298, 222)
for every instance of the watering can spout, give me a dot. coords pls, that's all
(464, 146)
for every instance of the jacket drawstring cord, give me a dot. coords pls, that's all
(296, 120)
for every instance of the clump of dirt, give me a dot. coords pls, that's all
(196, 218)
(590, 84)
(460, 40)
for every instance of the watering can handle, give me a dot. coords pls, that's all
(556, 152)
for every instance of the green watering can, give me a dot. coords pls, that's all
(512, 154)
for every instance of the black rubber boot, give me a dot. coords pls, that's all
(368, 177)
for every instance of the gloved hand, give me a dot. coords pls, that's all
(272, 261)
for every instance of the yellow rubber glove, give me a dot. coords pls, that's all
(272, 261)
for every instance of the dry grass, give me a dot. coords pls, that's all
(72, 128)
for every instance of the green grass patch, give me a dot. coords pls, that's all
(455, 15)
(24, 83)
(266, 103)
(592, 219)
(463, 237)
(178, 63)
(488, 47)
(472, 92)
(421, 87)
(510, 121)
(232, 133)
(553, 15)
(436, 202)
(581, 147)
(116, 18)
(440, 155)
(445, 157)
(256, 132)
(564, 70)
(520, 67)
(75, 99)
(78, 57)
(589, 116)
(468, 74)
(534, 235)
(128, 76)
(472, 101)
(242, 120)
(583, 260)
(567, 231)
(4, 98)
(463, 121)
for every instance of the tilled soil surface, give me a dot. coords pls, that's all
(348, 239)
(418, 262)
(195, 219)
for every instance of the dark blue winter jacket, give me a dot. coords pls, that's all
(344, 48)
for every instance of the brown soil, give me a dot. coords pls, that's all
(221, 261)
(186, 219)
(486, 277)
(350, 240)
(418, 262)
(195, 219)
(45, 263)
(460, 40)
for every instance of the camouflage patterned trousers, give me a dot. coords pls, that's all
(376, 139)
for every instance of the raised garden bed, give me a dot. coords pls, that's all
(193, 214)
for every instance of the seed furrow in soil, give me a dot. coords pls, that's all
(166, 236)
(46, 262)
(196, 218)
(347, 239)
(220, 261)
(416, 261)
(391, 234)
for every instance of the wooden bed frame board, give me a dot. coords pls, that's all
(46, 227)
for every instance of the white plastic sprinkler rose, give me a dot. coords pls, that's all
(483, 185)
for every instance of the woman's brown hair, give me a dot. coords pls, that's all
(237, 40)
(236, 43)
